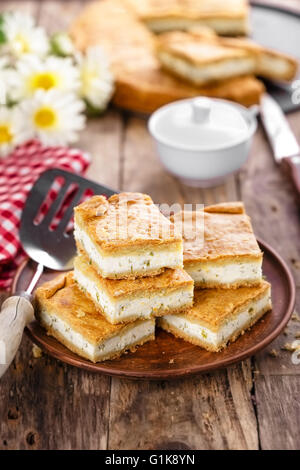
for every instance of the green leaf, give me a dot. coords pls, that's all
(62, 45)
(2, 37)
(2, 34)
(91, 111)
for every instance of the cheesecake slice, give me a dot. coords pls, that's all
(70, 317)
(123, 300)
(228, 17)
(141, 83)
(226, 253)
(126, 236)
(201, 57)
(219, 316)
(202, 60)
(271, 64)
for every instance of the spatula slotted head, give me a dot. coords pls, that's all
(45, 221)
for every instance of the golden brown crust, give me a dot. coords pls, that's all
(220, 262)
(236, 207)
(190, 9)
(228, 234)
(125, 221)
(210, 347)
(166, 282)
(148, 89)
(234, 285)
(212, 307)
(197, 50)
(63, 298)
(141, 84)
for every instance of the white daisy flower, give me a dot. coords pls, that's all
(4, 62)
(97, 85)
(22, 36)
(11, 133)
(62, 44)
(53, 117)
(8, 78)
(51, 73)
(3, 80)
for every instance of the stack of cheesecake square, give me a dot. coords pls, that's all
(129, 271)
(226, 266)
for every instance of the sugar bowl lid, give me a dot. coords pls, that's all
(200, 124)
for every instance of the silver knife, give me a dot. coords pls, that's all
(285, 147)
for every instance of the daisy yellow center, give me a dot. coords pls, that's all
(44, 80)
(45, 118)
(5, 134)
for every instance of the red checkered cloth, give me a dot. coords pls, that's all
(18, 172)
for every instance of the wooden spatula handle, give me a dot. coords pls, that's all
(16, 313)
(292, 165)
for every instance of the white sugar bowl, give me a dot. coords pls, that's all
(201, 141)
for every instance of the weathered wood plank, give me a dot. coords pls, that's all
(26, 6)
(102, 138)
(56, 15)
(48, 405)
(278, 408)
(212, 411)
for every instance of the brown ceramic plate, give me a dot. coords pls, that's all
(168, 357)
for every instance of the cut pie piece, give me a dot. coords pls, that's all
(201, 60)
(126, 236)
(125, 300)
(270, 64)
(219, 316)
(226, 254)
(68, 315)
(228, 17)
(141, 83)
(201, 57)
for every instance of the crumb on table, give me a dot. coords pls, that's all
(273, 353)
(36, 352)
(295, 317)
(291, 347)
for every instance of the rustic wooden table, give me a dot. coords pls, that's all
(45, 404)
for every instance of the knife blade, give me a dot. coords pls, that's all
(286, 149)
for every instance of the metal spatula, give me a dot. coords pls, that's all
(49, 246)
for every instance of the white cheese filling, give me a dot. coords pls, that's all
(105, 348)
(216, 339)
(201, 74)
(112, 266)
(227, 273)
(269, 65)
(221, 26)
(142, 306)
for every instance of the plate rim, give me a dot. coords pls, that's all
(169, 374)
(288, 9)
